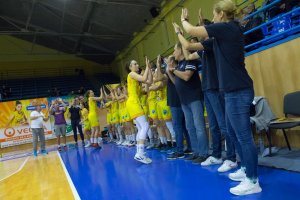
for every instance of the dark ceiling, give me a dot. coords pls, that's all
(93, 29)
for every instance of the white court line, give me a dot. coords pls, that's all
(74, 191)
(20, 168)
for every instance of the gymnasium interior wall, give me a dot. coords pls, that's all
(20, 59)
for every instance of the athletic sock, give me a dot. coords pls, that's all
(141, 149)
(165, 140)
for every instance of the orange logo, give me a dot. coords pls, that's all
(9, 132)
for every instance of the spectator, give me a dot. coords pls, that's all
(58, 109)
(37, 127)
(282, 7)
(81, 90)
(72, 93)
(251, 23)
(75, 116)
(5, 92)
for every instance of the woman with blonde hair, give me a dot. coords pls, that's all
(237, 87)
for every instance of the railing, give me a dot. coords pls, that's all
(270, 29)
(262, 9)
(292, 29)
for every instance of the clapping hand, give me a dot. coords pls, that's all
(185, 15)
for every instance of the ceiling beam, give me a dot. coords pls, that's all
(11, 23)
(69, 36)
(85, 23)
(51, 33)
(30, 14)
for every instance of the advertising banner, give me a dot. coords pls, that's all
(15, 119)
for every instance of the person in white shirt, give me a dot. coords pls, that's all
(37, 126)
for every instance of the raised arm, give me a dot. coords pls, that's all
(141, 78)
(184, 42)
(196, 31)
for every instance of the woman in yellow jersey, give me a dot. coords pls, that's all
(163, 109)
(155, 90)
(18, 117)
(108, 120)
(96, 139)
(135, 109)
(115, 121)
(128, 121)
(144, 102)
(85, 122)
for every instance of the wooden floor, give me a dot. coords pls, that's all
(28, 146)
(40, 178)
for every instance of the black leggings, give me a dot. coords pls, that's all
(75, 125)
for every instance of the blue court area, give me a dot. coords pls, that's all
(112, 173)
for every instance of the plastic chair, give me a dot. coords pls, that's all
(291, 106)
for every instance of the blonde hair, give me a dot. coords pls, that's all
(228, 8)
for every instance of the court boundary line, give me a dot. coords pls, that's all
(72, 186)
(20, 168)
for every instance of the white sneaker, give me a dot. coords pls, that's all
(246, 187)
(142, 159)
(150, 146)
(238, 175)
(131, 144)
(212, 161)
(100, 143)
(125, 143)
(119, 142)
(227, 165)
(87, 145)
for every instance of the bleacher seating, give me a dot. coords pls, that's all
(274, 29)
(38, 87)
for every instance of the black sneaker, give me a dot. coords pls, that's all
(165, 149)
(159, 146)
(187, 152)
(199, 160)
(175, 156)
(190, 157)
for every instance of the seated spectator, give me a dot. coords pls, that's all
(57, 92)
(5, 92)
(81, 90)
(251, 23)
(283, 7)
(72, 93)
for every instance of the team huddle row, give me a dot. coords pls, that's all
(173, 97)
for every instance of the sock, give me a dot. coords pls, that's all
(161, 139)
(171, 129)
(99, 140)
(111, 136)
(137, 148)
(141, 149)
(133, 137)
(149, 133)
(151, 140)
(165, 140)
(92, 140)
(58, 145)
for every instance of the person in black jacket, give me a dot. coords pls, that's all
(75, 117)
